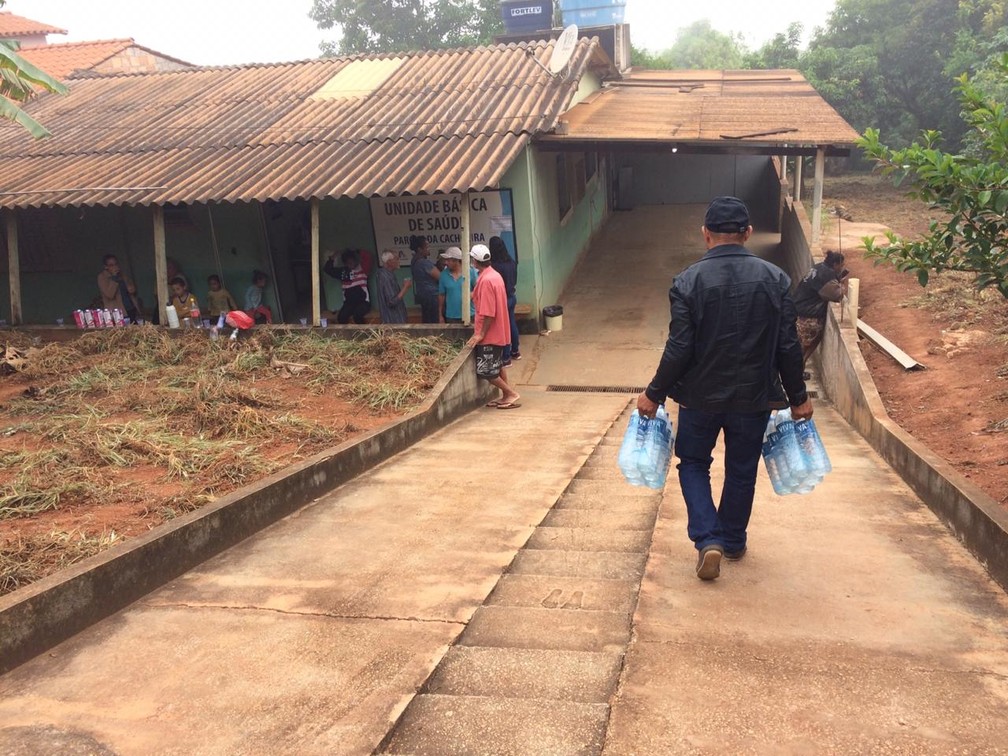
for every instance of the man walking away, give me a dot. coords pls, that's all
(491, 329)
(731, 343)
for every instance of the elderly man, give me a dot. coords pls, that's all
(391, 304)
(491, 329)
(117, 291)
(731, 342)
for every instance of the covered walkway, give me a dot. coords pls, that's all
(498, 588)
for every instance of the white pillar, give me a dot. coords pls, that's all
(466, 246)
(817, 190)
(798, 166)
(316, 290)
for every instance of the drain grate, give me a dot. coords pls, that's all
(597, 389)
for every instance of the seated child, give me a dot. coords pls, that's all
(219, 299)
(254, 306)
(184, 302)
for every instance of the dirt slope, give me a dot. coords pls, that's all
(958, 406)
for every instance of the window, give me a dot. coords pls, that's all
(577, 177)
(563, 185)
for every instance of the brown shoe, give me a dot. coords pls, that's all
(734, 556)
(708, 565)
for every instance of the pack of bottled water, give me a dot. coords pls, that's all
(793, 453)
(646, 450)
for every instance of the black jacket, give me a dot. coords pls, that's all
(732, 339)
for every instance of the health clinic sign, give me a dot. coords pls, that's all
(438, 218)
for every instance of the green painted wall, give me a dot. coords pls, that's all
(549, 247)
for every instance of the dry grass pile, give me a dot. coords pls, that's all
(170, 421)
(25, 560)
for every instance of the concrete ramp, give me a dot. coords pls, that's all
(498, 589)
(616, 308)
(312, 636)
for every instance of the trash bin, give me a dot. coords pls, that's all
(554, 317)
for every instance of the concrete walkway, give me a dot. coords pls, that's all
(498, 589)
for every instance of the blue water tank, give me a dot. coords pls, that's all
(523, 16)
(592, 12)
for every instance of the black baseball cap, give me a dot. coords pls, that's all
(727, 215)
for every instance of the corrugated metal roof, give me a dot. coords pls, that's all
(443, 121)
(62, 60)
(766, 108)
(13, 26)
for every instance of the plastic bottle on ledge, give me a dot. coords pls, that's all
(172, 316)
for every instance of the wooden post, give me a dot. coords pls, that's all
(316, 291)
(13, 268)
(466, 260)
(817, 190)
(783, 167)
(161, 265)
(853, 289)
(798, 166)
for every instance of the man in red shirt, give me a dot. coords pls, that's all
(492, 329)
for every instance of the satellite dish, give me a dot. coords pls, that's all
(563, 49)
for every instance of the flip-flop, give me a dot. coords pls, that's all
(493, 403)
(509, 405)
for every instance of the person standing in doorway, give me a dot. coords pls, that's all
(425, 280)
(732, 342)
(824, 283)
(491, 329)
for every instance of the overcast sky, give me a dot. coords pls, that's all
(222, 32)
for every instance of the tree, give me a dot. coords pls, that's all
(699, 45)
(884, 63)
(972, 188)
(377, 26)
(18, 80)
(783, 51)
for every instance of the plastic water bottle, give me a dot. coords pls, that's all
(654, 462)
(630, 450)
(172, 314)
(771, 459)
(797, 463)
(812, 446)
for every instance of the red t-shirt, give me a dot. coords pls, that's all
(490, 297)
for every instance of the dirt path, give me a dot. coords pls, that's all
(958, 406)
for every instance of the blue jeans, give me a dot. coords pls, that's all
(698, 432)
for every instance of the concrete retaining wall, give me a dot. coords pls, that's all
(37, 617)
(975, 518)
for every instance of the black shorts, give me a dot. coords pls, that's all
(489, 360)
